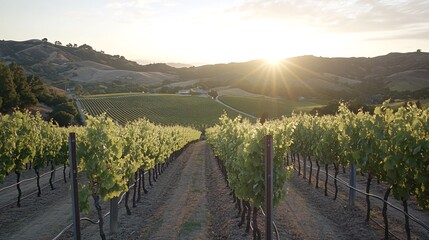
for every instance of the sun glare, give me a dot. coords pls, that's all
(273, 60)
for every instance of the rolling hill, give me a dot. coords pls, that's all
(391, 75)
(82, 64)
(320, 77)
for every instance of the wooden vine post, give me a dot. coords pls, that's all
(114, 215)
(268, 186)
(74, 187)
(352, 192)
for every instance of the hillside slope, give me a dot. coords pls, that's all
(392, 75)
(311, 76)
(81, 64)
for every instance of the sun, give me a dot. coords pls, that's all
(274, 57)
(273, 60)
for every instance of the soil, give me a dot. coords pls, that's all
(396, 219)
(38, 217)
(191, 200)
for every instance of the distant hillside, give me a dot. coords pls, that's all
(310, 76)
(83, 65)
(396, 75)
(179, 65)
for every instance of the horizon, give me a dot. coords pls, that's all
(201, 33)
(275, 61)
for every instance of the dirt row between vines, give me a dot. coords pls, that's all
(396, 218)
(190, 200)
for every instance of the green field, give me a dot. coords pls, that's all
(199, 112)
(274, 107)
(165, 109)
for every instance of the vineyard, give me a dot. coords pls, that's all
(111, 157)
(391, 147)
(162, 109)
(274, 107)
(120, 163)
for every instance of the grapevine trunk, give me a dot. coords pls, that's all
(143, 184)
(407, 219)
(317, 173)
(243, 213)
(39, 192)
(18, 176)
(100, 215)
(386, 222)
(368, 202)
(249, 212)
(135, 189)
(127, 196)
(52, 175)
(335, 180)
(311, 170)
(139, 179)
(326, 179)
(256, 231)
(64, 172)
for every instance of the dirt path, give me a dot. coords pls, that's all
(38, 217)
(184, 212)
(234, 109)
(301, 219)
(307, 214)
(28, 186)
(396, 218)
(190, 200)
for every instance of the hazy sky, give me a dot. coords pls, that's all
(223, 30)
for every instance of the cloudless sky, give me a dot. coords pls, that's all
(221, 31)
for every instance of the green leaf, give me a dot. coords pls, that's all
(417, 149)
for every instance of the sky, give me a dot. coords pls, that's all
(222, 31)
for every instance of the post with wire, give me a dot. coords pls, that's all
(268, 186)
(74, 187)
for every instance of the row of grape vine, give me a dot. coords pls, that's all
(391, 146)
(111, 156)
(114, 157)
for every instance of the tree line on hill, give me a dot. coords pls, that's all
(19, 91)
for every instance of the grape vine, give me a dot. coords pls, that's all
(392, 146)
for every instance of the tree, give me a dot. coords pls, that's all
(58, 43)
(44, 40)
(213, 93)
(51, 98)
(78, 90)
(36, 85)
(66, 107)
(419, 50)
(62, 118)
(64, 114)
(7, 88)
(25, 98)
(86, 47)
(69, 45)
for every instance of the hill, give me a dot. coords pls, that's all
(395, 75)
(319, 77)
(84, 65)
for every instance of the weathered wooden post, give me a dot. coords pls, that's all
(74, 187)
(268, 187)
(114, 215)
(352, 182)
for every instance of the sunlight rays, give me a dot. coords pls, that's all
(279, 77)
